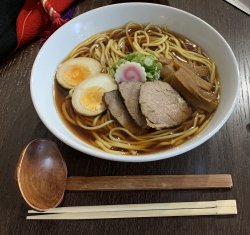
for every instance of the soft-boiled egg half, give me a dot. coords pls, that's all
(73, 71)
(87, 97)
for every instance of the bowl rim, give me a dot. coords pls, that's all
(131, 158)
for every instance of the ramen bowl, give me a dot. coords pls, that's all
(67, 37)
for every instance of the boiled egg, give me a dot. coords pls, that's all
(87, 97)
(73, 71)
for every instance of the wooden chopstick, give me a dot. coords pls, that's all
(220, 207)
(147, 206)
(149, 182)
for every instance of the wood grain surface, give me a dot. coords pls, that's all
(148, 182)
(228, 152)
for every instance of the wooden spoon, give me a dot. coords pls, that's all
(42, 178)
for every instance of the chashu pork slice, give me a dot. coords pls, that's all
(118, 110)
(130, 92)
(162, 106)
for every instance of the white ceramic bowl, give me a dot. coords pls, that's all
(108, 17)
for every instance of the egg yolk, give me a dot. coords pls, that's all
(91, 98)
(75, 74)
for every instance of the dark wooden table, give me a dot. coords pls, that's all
(227, 152)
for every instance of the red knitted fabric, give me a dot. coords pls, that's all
(33, 20)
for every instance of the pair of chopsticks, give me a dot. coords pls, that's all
(219, 207)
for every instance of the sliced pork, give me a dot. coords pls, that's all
(130, 92)
(162, 106)
(118, 110)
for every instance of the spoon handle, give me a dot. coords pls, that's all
(148, 182)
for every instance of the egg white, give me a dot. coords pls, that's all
(93, 66)
(102, 81)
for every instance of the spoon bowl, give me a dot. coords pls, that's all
(42, 174)
(42, 178)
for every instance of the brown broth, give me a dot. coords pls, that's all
(85, 135)
(60, 93)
